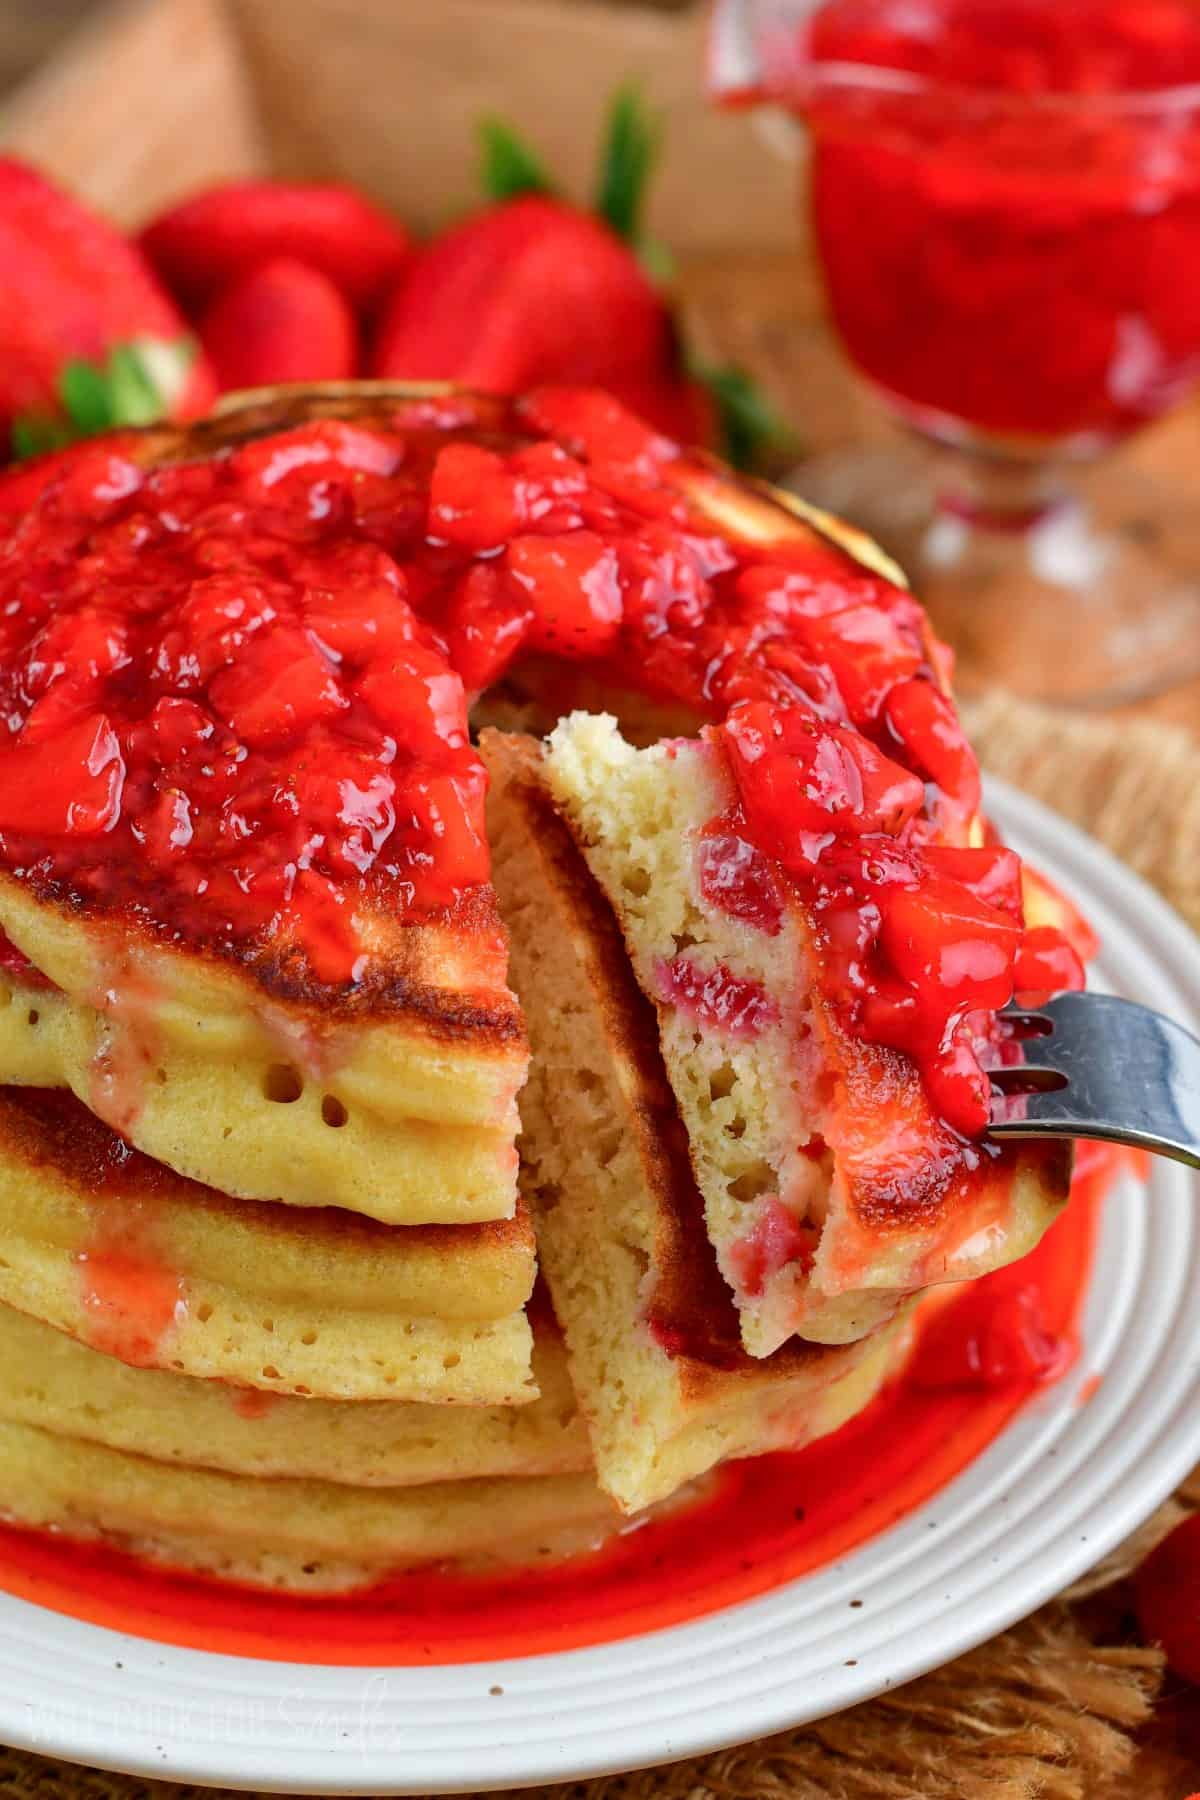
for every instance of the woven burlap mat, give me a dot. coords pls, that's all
(1063, 1706)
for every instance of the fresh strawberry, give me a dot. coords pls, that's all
(88, 339)
(675, 404)
(282, 321)
(206, 242)
(533, 291)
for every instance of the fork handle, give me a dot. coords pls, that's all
(1132, 1077)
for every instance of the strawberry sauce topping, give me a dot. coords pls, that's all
(234, 700)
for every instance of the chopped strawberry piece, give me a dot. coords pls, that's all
(81, 647)
(1046, 964)
(572, 582)
(598, 428)
(774, 590)
(775, 1240)
(992, 874)
(280, 685)
(475, 500)
(717, 998)
(941, 937)
(870, 647)
(366, 611)
(419, 698)
(314, 451)
(65, 784)
(801, 780)
(180, 728)
(94, 480)
(926, 724)
(485, 624)
(167, 825)
(221, 613)
(280, 321)
(736, 877)
(205, 243)
(23, 484)
(959, 1091)
(447, 811)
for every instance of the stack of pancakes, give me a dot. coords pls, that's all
(282, 1392)
(267, 1240)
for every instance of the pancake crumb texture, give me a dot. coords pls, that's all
(604, 1166)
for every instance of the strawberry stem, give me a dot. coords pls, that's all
(135, 385)
(627, 156)
(509, 165)
(751, 429)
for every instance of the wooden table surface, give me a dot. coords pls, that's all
(31, 30)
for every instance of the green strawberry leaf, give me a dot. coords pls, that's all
(33, 435)
(84, 392)
(136, 384)
(657, 261)
(509, 166)
(627, 156)
(751, 429)
(133, 397)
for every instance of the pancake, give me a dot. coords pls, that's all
(408, 1120)
(803, 1141)
(49, 1381)
(137, 1261)
(651, 1330)
(299, 1536)
(344, 1045)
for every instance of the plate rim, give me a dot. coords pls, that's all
(498, 1764)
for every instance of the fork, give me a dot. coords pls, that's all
(1093, 1066)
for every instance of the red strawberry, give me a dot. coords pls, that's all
(280, 322)
(73, 292)
(681, 408)
(1167, 1591)
(204, 243)
(528, 292)
(535, 290)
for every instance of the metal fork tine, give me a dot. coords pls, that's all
(1131, 1077)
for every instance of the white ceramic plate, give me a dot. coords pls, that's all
(1060, 1486)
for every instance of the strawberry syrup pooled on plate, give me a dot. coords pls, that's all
(753, 1526)
(233, 693)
